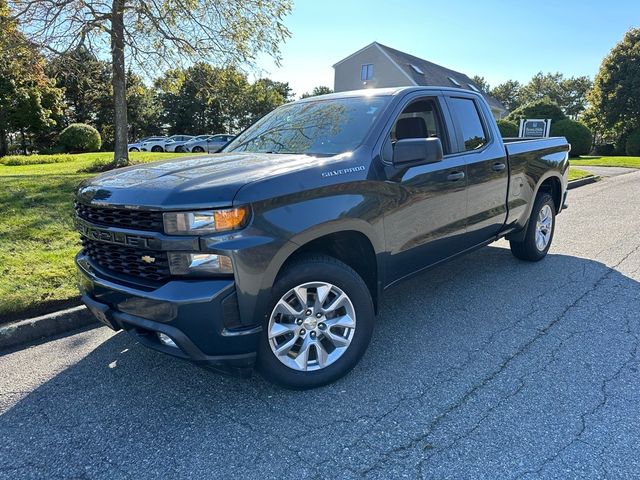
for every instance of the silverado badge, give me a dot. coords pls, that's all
(147, 259)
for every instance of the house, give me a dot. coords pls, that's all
(378, 66)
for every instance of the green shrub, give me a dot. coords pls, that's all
(80, 138)
(13, 160)
(605, 149)
(632, 147)
(576, 133)
(540, 109)
(507, 128)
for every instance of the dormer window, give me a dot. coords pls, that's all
(474, 88)
(416, 69)
(366, 72)
(454, 81)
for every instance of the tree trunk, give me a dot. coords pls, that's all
(119, 82)
(4, 142)
(23, 142)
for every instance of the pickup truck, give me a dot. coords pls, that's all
(275, 253)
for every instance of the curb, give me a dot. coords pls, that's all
(583, 181)
(55, 323)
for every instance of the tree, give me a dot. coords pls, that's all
(576, 90)
(156, 33)
(207, 99)
(29, 102)
(86, 82)
(568, 93)
(508, 93)
(615, 103)
(320, 90)
(481, 83)
(261, 97)
(144, 109)
(541, 109)
(202, 98)
(543, 86)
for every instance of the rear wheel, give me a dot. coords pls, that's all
(157, 148)
(319, 325)
(540, 229)
(197, 150)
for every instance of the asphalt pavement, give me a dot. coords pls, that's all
(486, 367)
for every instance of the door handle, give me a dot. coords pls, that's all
(498, 167)
(454, 176)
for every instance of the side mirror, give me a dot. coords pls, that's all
(410, 152)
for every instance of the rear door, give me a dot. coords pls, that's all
(487, 169)
(426, 216)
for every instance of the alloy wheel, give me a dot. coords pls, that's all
(311, 326)
(544, 226)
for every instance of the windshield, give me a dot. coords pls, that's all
(322, 127)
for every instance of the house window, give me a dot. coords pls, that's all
(417, 69)
(366, 72)
(454, 81)
(474, 88)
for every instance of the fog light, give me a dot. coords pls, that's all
(199, 264)
(166, 340)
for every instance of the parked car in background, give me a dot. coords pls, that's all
(211, 144)
(170, 145)
(182, 146)
(159, 145)
(135, 146)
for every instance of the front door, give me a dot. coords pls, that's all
(426, 219)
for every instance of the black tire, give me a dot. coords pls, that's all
(527, 249)
(179, 150)
(157, 148)
(197, 150)
(318, 268)
(134, 149)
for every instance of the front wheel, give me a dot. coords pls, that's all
(197, 150)
(319, 324)
(134, 149)
(540, 229)
(157, 148)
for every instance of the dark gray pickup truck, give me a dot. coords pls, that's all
(276, 252)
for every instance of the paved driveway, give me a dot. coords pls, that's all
(483, 368)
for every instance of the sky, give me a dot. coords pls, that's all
(499, 40)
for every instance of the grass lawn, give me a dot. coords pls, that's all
(631, 162)
(576, 173)
(37, 239)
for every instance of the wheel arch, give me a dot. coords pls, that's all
(350, 245)
(551, 183)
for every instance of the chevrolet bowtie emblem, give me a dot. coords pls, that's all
(148, 259)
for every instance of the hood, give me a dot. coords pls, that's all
(188, 182)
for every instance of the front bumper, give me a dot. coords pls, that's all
(200, 316)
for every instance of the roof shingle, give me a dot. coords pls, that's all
(435, 75)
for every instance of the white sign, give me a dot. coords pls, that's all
(534, 128)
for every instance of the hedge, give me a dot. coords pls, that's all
(80, 138)
(576, 133)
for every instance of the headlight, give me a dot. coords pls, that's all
(199, 263)
(206, 221)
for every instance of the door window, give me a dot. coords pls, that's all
(466, 115)
(420, 119)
